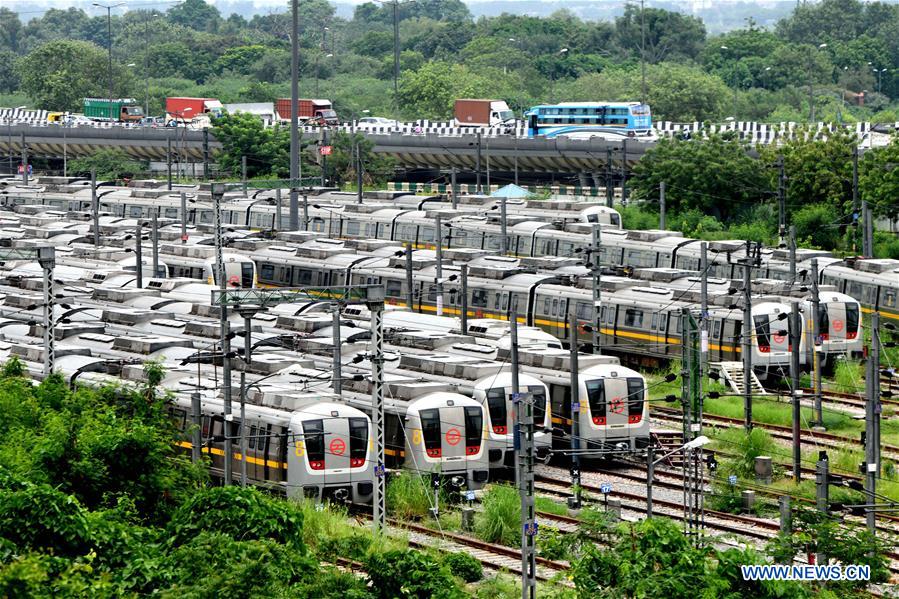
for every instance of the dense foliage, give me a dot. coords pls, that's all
(54, 59)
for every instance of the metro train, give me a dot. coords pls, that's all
(318, 449)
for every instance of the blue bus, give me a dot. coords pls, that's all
(578, 119)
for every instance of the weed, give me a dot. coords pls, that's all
(409, 496)
(501, 586)
(848, 376)
(747, 446)
(500, 518)
(556, 545)
(545, 504)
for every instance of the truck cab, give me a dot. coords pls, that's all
(325, 117)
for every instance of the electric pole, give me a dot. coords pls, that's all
(747, 338)
(335, 351)
(795, 340)
(781, 200)
(792, 249)
(872, 385)
(525, 473)
(95, 207)
(295, 182)
(224, 325)
(596, 284)
(503, 225)
(463, 268)
(574, 502)
(662, 205)
(813, 346)
(410, 291)
(855, 206)
(478, 188)
(24, 161)
(624, 172)
(439, 266)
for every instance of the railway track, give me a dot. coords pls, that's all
(782, 433)
(491, 555)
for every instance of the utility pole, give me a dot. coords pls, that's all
(796, 392)
(24, 161)
(154, 243)
(377, 376)
(525, 433)
(46, 257)
(438, 245)
(792, 248)
(247, 312)
(704, 310)
(305, 211)
(243, 174)
(574, 502)
(872, 415)
(206, 154)
(197, 440)
(396, 53)
(813, 346)
(168, 159)
(454, 190)
(661, 204)
(596, 285)
(410, 291)
(225, 333)
(693, 480)
(610, 189)
(464, 272)
(183, 217)
(278, 215)
(295, 181)
(358, 174)
(747, 338)
(503, 225)
(335, 352)
(95, 207)
(781, 200)
(643, 55)
(138, 254)
(855, 206)
(478, 188)
(624, 172)
(869, 229)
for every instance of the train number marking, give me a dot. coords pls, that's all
(837, 325)
(453, 436)
(416, 437)
(337, 446)
(617, 405)
(300, 449)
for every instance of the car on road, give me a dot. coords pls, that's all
(376, 121)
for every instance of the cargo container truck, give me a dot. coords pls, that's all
(119, 109)
(190, 110)
(310, 112)
(482, 113)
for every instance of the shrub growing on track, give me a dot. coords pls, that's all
(501, 517)
(464, 566)
(409, 496)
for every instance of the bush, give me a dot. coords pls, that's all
(501, 515)
(464, 566)
(110, 163)
(242, 514)
(410, 574)
(39, 517)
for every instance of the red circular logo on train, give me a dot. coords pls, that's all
(837, 325)
(779, 338)
(234, 280)
(617, 405)
(453, 436)
(337, 447)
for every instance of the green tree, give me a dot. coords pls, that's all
(431, 91)
(10, 30)
(111, 163)
(9, 78)
(267, 149)
(669, 35)
(675, 92)
(879, 179)
(60, 74)
(377, 169)
(715, 176)
(196, 14)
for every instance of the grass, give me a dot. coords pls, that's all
(409, 496)
(545, 504)
(500, 518)
(848, 377)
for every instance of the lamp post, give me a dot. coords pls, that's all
(734, 78)
(879, 73)
(811, 86)
(109, 8)
(563, 52)
(652, 461)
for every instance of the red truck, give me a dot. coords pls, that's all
(310, 112)
(482, 113)
(186, 110)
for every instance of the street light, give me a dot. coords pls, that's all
(734, 80)
(109, 8)
(879, 73)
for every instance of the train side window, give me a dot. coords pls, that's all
(633, 318)
(267, 272)
(496, 301)
(479, 298)
(205, 426)
(251, 438)
(663, 322)
(602, 313)
(555, 311)
(546, 304)
(515, 302)
(888, 297)
(394, 289)
(716, 329)
(655, 321)
(583, 311)
(352, 228)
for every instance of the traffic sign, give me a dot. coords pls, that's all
(469, 495)
(732, 479)
(324, 150)
(530, 529)
(605, 488)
